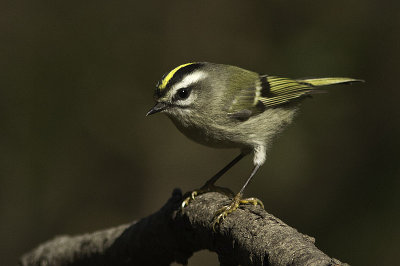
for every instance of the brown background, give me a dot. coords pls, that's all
(77, 153)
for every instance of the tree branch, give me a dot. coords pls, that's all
(248, 236)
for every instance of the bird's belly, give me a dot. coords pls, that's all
(256, 131)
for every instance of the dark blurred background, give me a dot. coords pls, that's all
(77, 153)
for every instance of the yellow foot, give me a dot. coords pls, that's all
(204, 189)
(222, 213)
(186, 201)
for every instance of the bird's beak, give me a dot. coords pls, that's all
(157, 108)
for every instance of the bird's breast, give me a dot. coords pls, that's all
(206, 132)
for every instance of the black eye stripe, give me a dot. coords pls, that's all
(182, 93)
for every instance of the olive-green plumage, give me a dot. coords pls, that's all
(230, 107)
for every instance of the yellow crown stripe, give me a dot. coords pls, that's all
(170, 75)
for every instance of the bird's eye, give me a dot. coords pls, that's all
(183, 93)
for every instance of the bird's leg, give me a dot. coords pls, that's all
(209, 185)
(222, 213)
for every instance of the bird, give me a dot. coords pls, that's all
(225, 106)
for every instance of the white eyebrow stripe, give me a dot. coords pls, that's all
(190, 79)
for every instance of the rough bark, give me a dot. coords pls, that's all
(249, 236)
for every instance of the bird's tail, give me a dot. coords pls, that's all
(328, 81)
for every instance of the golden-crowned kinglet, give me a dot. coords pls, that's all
(229, 107)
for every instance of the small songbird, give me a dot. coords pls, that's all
(229, 107)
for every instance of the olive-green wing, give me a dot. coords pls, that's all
(273, 91)
(245, 104)
(267, 92)
(277, 91)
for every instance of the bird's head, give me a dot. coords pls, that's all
(177, 93)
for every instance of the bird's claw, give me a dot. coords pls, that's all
(253, 201)
(186, 201)
(222, 213)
